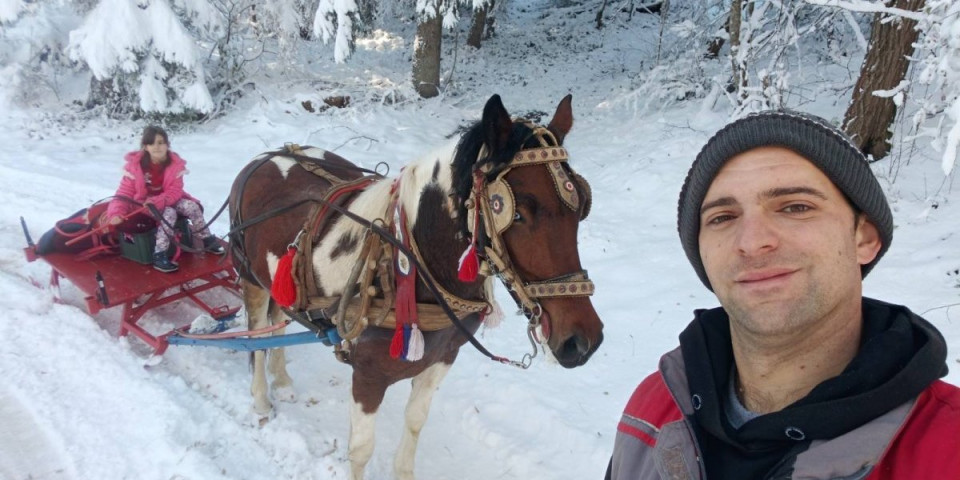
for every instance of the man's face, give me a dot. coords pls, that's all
(780, 243)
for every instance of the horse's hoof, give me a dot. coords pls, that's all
(264, 409)
(285, 394)
(257, 418)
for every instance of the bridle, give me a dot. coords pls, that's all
(495, 203)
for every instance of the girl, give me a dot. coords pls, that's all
(154, 175)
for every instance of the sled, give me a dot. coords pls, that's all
(109, 279)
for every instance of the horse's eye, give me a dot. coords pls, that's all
(517, 217)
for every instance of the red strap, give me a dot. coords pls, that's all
(405, 273)
(337, 194)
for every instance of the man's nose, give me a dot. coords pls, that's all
(756, 234)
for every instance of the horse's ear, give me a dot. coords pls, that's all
(562, 120)
(496, 124)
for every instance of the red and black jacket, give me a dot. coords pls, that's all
(885, 417)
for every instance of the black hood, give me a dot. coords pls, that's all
(900, 355)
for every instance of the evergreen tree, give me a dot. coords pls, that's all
(336, 19)
(142, 58)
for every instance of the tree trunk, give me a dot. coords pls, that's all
(367, 10)
(426, 57)
(739, 80)
(713, 48)
(104, 92)
(599, 18)
(479, 23)
(869, 117)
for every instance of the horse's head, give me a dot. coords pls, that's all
(519, 194)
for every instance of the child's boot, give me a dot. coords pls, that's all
(162, 262)
(212, 245)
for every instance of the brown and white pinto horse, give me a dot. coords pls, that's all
(531, 245)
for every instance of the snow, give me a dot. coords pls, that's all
(104, 48)
(10, 9)
(79, 403)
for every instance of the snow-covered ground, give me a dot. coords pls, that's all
(79, 403)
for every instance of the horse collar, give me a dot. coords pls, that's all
(404, 234)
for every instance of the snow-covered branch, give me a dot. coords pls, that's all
(863, 6)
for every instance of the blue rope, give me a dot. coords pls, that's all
(328, 338)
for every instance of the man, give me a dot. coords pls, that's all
(797, 375)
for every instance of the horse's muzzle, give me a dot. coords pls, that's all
(576, 350)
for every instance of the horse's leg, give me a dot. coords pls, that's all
(418, 406)
(282, 384)
(256, 302)
(367, 396)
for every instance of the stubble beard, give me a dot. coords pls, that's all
(779, 313)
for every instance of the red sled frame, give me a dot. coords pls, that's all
(110, 280)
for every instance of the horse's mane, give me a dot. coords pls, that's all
(465, 161)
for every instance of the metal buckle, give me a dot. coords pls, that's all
(296, 240)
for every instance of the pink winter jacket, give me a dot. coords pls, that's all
(134, 185)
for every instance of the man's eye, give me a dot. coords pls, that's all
(797, 208)
(717, 220)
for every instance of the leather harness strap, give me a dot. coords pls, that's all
(376, 257)
(341, 194)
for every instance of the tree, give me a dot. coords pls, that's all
(426, 56)
(144, 56)
(869, 117)
(939, 70)
(335, 18)
(482, 21)
(737, 57)
(432, 17)
(32, 57)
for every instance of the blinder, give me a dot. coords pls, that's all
(571, 187)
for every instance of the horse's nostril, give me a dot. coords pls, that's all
(583, 346)
(574, 350)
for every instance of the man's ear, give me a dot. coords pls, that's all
(868, 240)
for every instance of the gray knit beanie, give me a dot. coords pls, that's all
(811, 137)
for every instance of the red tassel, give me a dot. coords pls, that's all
(469, 264)
(283, 290)
(396, 345)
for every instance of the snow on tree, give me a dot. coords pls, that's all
(338, 19)
(335, 19)
(10, 10)
(199, 14)
(143, 47)
(940, 69)
(32, 41)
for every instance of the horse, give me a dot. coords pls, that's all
(500, 202)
